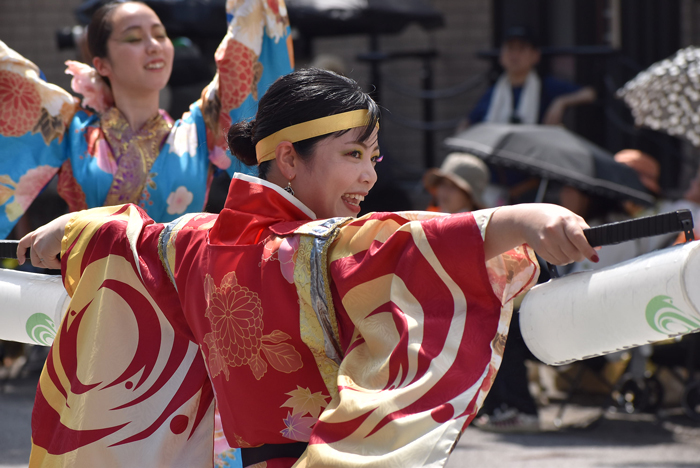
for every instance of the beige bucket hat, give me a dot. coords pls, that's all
(466, 171)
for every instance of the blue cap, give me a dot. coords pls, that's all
(522, 33)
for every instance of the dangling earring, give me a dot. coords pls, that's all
(289, 188)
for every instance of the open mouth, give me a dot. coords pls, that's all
(155, 65)
(352, 200)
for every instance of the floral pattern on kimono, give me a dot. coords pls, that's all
(165, 167)
(391, 337)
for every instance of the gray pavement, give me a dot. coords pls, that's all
(16, 400)
(591, 438)
(594, 439)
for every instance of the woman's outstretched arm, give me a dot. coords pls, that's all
(45, 243)
(555, 233)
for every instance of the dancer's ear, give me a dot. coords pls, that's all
(287, 160)
(102, 65)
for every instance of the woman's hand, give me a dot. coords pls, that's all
(555, 233)
(45, 244)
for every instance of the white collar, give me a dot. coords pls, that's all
(292, 199)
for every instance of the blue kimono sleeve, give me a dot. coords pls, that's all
(34, 137)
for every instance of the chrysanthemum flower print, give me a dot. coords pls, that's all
(235, 314)
(239, 73)
(20, 104)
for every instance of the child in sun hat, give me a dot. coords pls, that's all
(459, 184)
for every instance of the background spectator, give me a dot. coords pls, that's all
(520, 95)
(459, 184)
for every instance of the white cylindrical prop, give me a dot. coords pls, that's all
(31, 306)
(644, 300)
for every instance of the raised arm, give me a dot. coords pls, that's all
(254, 53)
(555, 113)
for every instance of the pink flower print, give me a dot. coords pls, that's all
(87, 82)
(219, 158)
(511, 273)
(271, 248)
(287, 255)
(105, 158)
(179, 200)
(27, 189)
(298, 427)
(283, 249)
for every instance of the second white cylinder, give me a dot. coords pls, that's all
(644, 300)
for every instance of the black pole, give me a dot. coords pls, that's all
(428, 114)
(376, 76)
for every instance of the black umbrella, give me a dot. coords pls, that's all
(191, 18)
(552, 153)
(344, 17)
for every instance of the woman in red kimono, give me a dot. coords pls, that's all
(327, 340)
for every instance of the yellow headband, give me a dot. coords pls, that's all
(265, 149)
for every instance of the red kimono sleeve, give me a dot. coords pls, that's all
(423, 320)
(124, 385)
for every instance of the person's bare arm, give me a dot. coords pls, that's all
(45, 243)
(555, 233)
(555, 112)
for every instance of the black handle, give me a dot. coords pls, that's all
(8, 249)
(665, 223)
(614, 233)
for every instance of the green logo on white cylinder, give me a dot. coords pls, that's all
(41, 329)
(666, 318)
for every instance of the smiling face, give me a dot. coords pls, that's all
(338, 175)
(139, 52)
